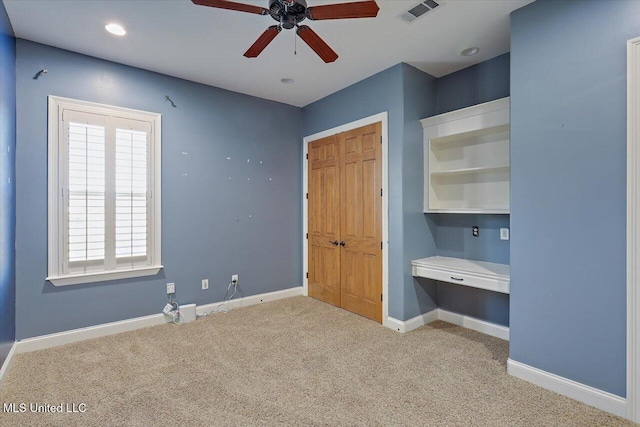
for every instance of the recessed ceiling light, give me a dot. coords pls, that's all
(287, 81)
(470, 51)
(115, 29)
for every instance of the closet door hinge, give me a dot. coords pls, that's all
(307, 196)
(381, 192)
(307, 274)
(380, 297)
(307, 236)
(307, 156)
(380, 139)
(380, 245)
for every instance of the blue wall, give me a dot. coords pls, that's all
(376, 94)
(473, 85)
(455, 236)
(385, 91)
(455, 239)
(419, 95)
(7, 184)
(410, 95)
(568, 187)
(480, 83)
(220, 216)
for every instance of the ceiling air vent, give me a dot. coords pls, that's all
(419, 10)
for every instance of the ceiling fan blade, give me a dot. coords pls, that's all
(230, 5)
(263, 41)
(359, 9)
(316, 43)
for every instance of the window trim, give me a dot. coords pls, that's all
(55, 254)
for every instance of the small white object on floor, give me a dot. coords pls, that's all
(188, 313)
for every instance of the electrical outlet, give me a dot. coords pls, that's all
(476, 231)
(504, 234)
(234, 278)
(205, 284)
(171, 288)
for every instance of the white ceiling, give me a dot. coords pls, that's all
(206, 45)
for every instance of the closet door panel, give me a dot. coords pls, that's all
(324, 220)
(361, 225)
(352, 199)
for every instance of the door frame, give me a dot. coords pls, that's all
(384, 119)
(633, 230)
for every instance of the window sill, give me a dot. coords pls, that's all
(101, 276)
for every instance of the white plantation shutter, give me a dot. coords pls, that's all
(86, 196)
(104, 170)
(131, 222)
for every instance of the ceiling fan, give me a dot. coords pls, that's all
(289, 14)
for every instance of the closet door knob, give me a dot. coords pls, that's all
(343, 243)
(334, 243)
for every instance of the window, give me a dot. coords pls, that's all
(104, 192)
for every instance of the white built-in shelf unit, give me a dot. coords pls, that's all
(466, 160)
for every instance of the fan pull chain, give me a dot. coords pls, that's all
(295, 44)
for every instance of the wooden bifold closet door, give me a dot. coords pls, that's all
(345, 220)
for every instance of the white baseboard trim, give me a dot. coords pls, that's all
(75, 335)
(421, 320)
(393, 323)
(566, 387)
(250, 300)
(468, 322)
(7, 363)
(67, 337)
(411, 324)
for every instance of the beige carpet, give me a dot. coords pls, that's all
(291, 362)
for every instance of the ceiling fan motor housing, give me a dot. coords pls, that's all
(288, 13)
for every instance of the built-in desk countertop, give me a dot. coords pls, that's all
(476, 274)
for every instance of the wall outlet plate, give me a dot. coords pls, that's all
(234, 278)
(205, 284)
(476, 231)
(171, 288)
(504, 234)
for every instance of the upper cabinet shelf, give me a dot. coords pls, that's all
(471, 170)
(466, 160)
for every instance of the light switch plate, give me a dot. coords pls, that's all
(504, 234)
